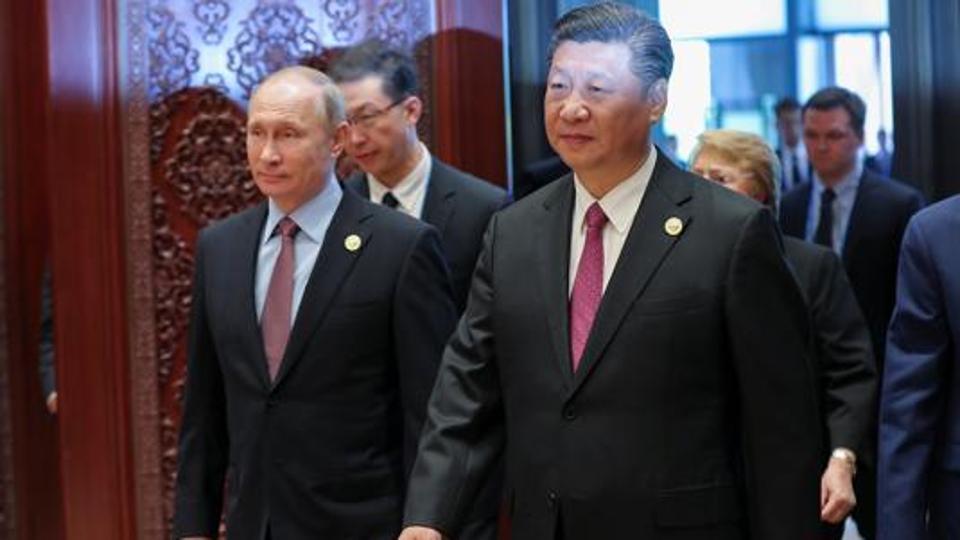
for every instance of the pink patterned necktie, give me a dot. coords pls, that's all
(588, 286)
(275, 321)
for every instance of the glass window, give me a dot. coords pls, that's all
(844, 14)
(703, 19)
(689, 94)
(857, 67)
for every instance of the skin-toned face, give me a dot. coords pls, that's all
(713, 166)
(289, 149)
(831, 142)
(789, 127)
(597, 113)
(383, 133)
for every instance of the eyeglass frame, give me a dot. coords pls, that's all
(366, 121)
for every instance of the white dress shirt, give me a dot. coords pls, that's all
(620, 205)
(313, 218)
(411, 191)
(846, 196)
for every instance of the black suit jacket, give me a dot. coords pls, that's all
(880, 213)
(692, 414)
(459, 206)
(845, 364)
(323, 451)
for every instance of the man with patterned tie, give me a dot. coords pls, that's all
(861, 216)
(318, 322)
(611, 347)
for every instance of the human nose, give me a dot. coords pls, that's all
(573, 109)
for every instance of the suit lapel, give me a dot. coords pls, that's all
(553, 229)
(860, 217)
(440, 197)
(251, 238)
(333, 264)
(646, 246)
(794, 212)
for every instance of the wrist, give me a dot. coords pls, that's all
(846, 457)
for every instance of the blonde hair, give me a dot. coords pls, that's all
(746, 151)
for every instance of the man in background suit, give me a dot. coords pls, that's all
(379, 86)
(918, 482)
(610, 345)
(318, 322)
(795, 167)
(47, 361)
(861, 216)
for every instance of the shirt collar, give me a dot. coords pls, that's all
(620, 204)
(408, 190)
(845, 186)
(309, 215)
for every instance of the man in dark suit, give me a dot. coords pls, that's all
(861, 216)
(611, 346)
(846, 371)
(379, 86)
(919, 466)
(318, 322)
(795, 166)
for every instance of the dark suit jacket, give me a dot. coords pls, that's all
(847, 371)
(459, 206)
(323, 451)
(919, 466)
(692, 414)
(880, 213)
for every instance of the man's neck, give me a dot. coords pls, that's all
(600, 181)
(832, 181)
(413, 155)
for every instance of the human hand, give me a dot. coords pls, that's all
(420, 533)
(837, 498)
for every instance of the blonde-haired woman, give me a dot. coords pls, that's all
(845, 364)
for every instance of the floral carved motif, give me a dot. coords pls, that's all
(272, 37)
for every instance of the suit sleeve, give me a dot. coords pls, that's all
(203, 450)
(423, 319)
(780, 429)
(913, 393)
(848, 367)
(463, 436)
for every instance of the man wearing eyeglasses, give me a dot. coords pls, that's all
(379, 85)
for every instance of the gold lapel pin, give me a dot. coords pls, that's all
(352, 242)
(673, 226)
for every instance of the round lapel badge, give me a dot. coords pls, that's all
(352, 242)
(673, 226)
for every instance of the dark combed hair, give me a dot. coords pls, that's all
(373, 57)
(835, 96)
(612, 22)
(786, 104)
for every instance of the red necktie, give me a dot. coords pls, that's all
(588, 286)
(275, 321)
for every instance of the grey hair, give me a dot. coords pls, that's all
(651, 56)
(333, 111)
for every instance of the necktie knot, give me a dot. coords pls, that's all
(595, 218)
(827, 196)
(287, 227)
(389, 200)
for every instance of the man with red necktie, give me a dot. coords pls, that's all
(318, 322)
(633, 343)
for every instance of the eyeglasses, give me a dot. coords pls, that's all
(368, 119)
